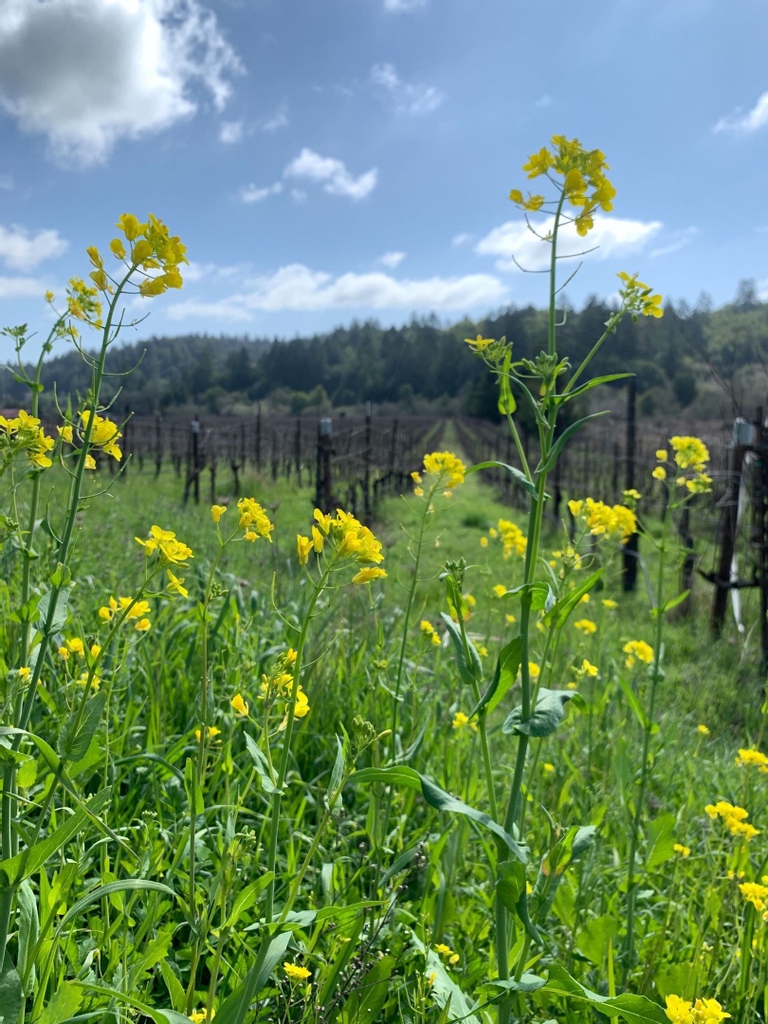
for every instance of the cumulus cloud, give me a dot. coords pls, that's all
(278, 120)
(613, 235)
(231, 132)
(298, 288)
(333, 175)
(408, 97)
(21, 250)
(746, 123)
(86, 73)
(253, 194)
(391, 260)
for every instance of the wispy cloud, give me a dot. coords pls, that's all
(332, 174)
(391, 260)
(745, 123)
(278, 120)
(255, 194)
(23, 288)
(678, 241)
(408, 97)
(298, 288)
(461, 239)
(231, 132)
(613, 235)
(404, 6)
(543, 101)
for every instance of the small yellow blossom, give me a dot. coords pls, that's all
(610, 604)
(703, 730)
(176, 584)
(143, 625)
(77, 646)
(586, 626)
(217, 511)
(510, 619)
(662, 454)
(95, 650)
(682, 851)
(446, 467)
(499, 590)
(25, 673)
(63, 652)
(239, 705)
(754, 893)
(752, 757)
(637, 650)
(303, 547)
(369, 573)
(588, 669)
(548, 768)
(211, 732)
(479, 344)
(483, 542)
(296, 973)
(659, 473)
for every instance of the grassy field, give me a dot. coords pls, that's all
(393, 911)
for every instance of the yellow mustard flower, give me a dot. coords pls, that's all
(548, 768)
(25, 673)
(254, 519)
(446, 467)
(610, 604)
(702, 730)
(483, 542)
(176, 584)
(143, 625)
(211, 732)
(499, 590)
(217, 511)
(754, 893)
(239, 705)
(164, 542)
(752, 758)
(368, 574)
(296, 973)
(682, 851)
(303, 548)
(637, 650)
(659, 473)
(586, 626)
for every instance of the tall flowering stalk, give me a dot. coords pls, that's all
(148, 260)
(579, 191)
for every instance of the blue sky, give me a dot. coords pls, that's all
(326, 160)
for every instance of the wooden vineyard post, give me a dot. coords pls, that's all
(158, 445)
(632, 547)
(367, 465)
(257, 446)
(393, 454)
(324, 490)
(685, 607)
(193, 461)
(727, 538)
(761, 508)
(297, 450)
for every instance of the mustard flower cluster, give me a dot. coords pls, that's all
(584, 183)
(691, 456)
(347, 538)
(755, 894)
(637, 650)
(446, 468)
(734, 818)
(165, 543)
(513, 540)
(253, 519)
(429, 631)
(278, 685)
(137, 611)
(637, 297)
(152, 249)
(296, 973)
(605, 520)
(104, 436)
(83, 304)
(447, 953)
(752, 758)
(703, 1011)
(23, 433)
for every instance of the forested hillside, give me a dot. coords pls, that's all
(711, 361)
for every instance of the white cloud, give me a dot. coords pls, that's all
(738, 121)
(87, 73)
(253, 194)
(408, 98)
(278, 120)
(231, 132)
(296, 287)
(404, 5)
(22, 251)
(22, 288)
(679, 240)
(391, 260)
(335, 177)
(613, 235)
(461, 239)
(543, 101)
(762, 290)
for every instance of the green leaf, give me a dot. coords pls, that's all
(439, 799)
(547, 715)
(64, 1004)
(235, 1008)
(661, 840)
(542, 595)
(60, 613)
(10, 996)
(673, 602)
(567, 396)
(527, 982)
(506, 403)
(631, 1008)
(74, 739)
(634, 702)
(174, 986)
(194, 796)
(510, 883)
(564, 438)
(29, 932)
(510, 658)
(246, 898)
(593, 940)
(338, 772)
(455, 1003)
(97, 894)
(560, 610)
(369, 994)
(16, 869)
(522, 479)
(469, 670)
(260, 763)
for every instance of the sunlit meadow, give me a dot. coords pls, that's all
(265, 764)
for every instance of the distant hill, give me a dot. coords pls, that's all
(714, 362)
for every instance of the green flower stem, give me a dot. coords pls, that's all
(519, 447)
(274, 822)
(634, 834)
(9, 775)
